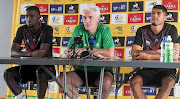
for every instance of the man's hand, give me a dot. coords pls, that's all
(35, 53)
(69, 53)
(175, 52)
(141, 56)
(38, 53)
(41, 53)
(99, 55)
(80, 50)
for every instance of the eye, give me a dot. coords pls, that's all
(152, 13)
(84, 17)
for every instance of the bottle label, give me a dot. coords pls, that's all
(168, 51)
(169, 45)
(168, 55)
(162, 58)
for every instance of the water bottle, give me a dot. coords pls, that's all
(169, 49)
(162, 58)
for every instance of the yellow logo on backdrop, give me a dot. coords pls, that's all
(70, 29)
(118, 29)
(57, 31)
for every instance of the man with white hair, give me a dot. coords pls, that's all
(103, 48)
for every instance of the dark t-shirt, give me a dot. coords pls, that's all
(33, 41)
(150, 41)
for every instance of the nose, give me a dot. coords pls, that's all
(28, 18)
(155, 14)
(86, 20)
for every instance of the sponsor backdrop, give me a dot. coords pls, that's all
(123, 17)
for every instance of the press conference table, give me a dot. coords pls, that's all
(89, 62)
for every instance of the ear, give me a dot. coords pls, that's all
(99, 18)
(39, 17)
(165, 17)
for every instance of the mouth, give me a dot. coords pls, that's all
(154, 19)
(30, 25)
(86, 25)
(154, 24)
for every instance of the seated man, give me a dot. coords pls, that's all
(37, 38)
(150, 36)
(104, 48)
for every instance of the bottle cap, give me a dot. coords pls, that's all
(164, 38)
(169, 38)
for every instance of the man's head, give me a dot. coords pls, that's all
(91, 17)
(161, 7)
(158, 15)
(32, 16)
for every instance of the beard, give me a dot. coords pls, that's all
(154, 24)
(30, 26)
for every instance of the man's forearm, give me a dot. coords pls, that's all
(15, 53)
(151, 52)
(105, 53)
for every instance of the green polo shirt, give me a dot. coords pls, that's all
(103, 41)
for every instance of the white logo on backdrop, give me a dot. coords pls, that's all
(24, 7)
(63, 52)
(128, 53)
(150, 4)
(177, 91)
(55, 19)
(53, 87)
(118, 19)
(113, 90)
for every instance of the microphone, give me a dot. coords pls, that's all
(88, 54)
(77, 40)
(92, 41)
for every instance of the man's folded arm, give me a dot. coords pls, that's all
(109, 52)
(16, 51)
(138, 53)
(175, 51)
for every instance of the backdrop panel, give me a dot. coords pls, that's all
(123, 17)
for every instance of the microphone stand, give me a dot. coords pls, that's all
(86, 54)
(91, 52)
(77, 40)
(74, 53)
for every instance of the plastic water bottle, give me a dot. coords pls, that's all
(169, 49)
(162, 59)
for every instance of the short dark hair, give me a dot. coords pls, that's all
(33, 8)
(161, 7)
